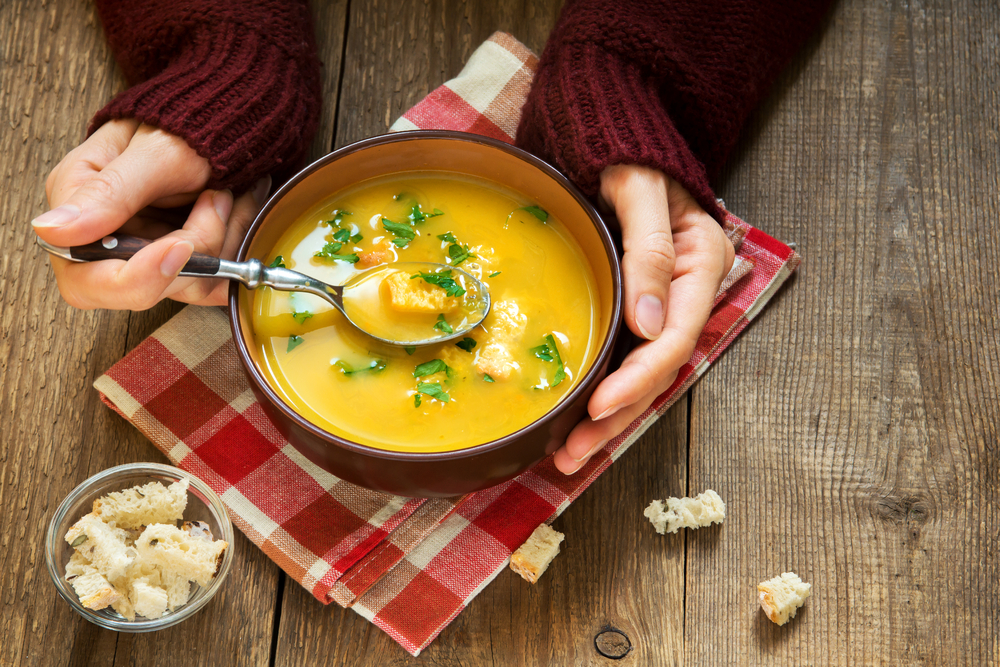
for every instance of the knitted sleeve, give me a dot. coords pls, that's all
(663, 84)
(239, 81)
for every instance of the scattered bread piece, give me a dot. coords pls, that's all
(148, 600)
(175, 551)
(102, 545)
(143, 505)
(702, 510)
(533, 557)
(782, 596)
(505, 325)
(408, 295)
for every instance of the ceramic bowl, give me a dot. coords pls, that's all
(437, 473)
(203, 505)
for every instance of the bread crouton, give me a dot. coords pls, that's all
(702, 510)
(103, 545)
(505, 325)
(148, 600)
(782, 596)
(406, 295)
(381, 253)
(95, 592)
(534, 556)
(143, 505)
(175, 551)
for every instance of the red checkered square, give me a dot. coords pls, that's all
(236, 450)
(436, 604)
(279, 488)
(513, 528)
(185, 405)
(322, 524)
(154, 369)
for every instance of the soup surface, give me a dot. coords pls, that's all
(538, 340)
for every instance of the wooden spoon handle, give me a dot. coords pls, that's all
(122, 246)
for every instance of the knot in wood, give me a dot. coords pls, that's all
(612, 643)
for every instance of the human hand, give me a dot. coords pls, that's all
(119, 179)
(676, 256)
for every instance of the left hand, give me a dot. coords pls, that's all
(676, 256)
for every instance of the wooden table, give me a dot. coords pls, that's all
(853, 429)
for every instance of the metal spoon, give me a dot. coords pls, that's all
(253, 274)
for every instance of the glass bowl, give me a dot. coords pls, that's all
(203, 505)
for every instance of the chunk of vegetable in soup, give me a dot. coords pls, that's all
(528, 354)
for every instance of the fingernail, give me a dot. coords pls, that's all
(607, 413)
(176, 258)
(649, 316)
(223, 202)
(261, 189)
(57, 217)
(596, 448)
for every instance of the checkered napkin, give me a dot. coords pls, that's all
(408, 565)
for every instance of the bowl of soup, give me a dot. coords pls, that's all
(442, 419)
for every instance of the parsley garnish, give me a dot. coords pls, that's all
(443, 280)
(434, 390)
(278, 263)
(417, 215)
(442, 325)
(448, 237)
(431, 367)
(294, 342)
(534, 210)
(494, 274)
(376, 365)
(342, 235)
(403, 232)
(301, 317)
(410, 349)
(467, 344)
(549, 352)
(416, 400)
(331, 250)
(456, 250)
(338, 217)
(487, 378)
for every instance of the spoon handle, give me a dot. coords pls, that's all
(122, 246)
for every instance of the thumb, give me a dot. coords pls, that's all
(154, 165)
(639, 198)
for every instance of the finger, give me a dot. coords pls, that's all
(639, 197)
(205, 229)
(154, 165)
(590, 436)
(137, 284)
(81, 163)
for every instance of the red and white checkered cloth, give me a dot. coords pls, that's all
(408, 565)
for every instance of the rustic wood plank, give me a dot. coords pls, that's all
(613, 570)
(330, 21)
(56, 72)
(853, 428)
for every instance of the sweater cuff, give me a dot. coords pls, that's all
(239, 100)
(613, 115)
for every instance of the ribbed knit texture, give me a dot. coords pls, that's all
(663, 84)
(239, 81)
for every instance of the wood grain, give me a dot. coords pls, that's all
(853, 429)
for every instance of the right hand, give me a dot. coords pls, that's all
(108, 184)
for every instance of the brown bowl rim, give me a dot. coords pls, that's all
(468, 452)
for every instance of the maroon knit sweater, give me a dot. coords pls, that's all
(664, 84)
(239, 81)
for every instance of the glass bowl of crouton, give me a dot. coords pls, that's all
(139, 547)
(448, 420)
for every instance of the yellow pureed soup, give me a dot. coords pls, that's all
(537, 342)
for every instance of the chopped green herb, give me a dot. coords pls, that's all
(417, 215)
(79, 540)
(375, 365)
(403, 232)
(494, 274)
(442, 325)
(536, 211)
(443, 280)
(416, 400)
(434, 390)
(294, 342)
(410, 349)
(467, 344)
(549, 352)
(458, 253)
(331, 250)
(430, 368)
(401, 195)
(338, 217)
(356, 238)
(277, 263)
(302, 317)
(448, 237)
(487, 378)
(342, 235)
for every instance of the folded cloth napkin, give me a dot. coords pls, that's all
(408, 565)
